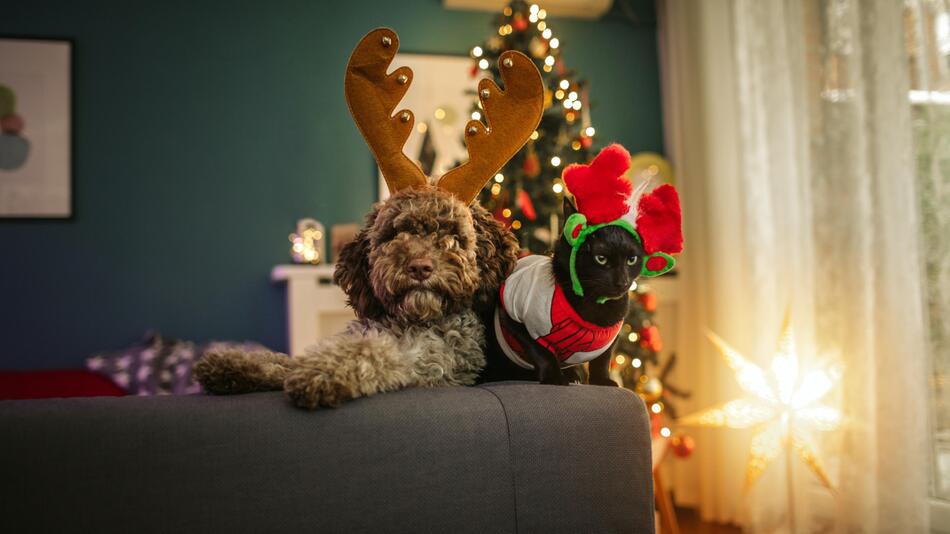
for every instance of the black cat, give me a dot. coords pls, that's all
(606, 264)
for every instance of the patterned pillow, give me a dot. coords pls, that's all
(159, 365)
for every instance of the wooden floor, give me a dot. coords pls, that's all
(689, 522)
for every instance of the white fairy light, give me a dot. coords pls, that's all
(477, 51)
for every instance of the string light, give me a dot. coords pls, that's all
(633, 337)
(549, 60)
(534, 9)
(636, 363)
(483, 64)
(535, 135)
(506, 213)
(572, 95)
(564, 84)
(665, 432)
(555, 161)
(555, 43)
(439, 114)
(477, 51)
(575, 144)
(557, 188)
(546, 33)
(476, 116)
(542, 14)
(547, 68)
(533, 18)
(559, 94)
(589, 131)
(656, 407)
(516, 225)
(567, 104)
(576, 105)
(542, 25)
(422, 127)
(499, 177)
(621, 359)
(495, 189)
(507, 11)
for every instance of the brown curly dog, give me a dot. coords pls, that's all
(417, 275)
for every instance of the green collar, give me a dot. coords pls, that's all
(576, 231)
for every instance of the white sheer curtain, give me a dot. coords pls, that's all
(790, 128)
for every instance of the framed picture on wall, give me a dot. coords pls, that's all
(441, 98)
(35, 128)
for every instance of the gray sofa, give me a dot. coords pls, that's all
(505, 457)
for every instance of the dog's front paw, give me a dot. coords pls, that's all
(311, 389)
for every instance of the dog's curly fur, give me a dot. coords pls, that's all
(408, 332)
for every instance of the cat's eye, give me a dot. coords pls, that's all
(632, 260)
(601, 260)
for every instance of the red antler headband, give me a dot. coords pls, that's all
(603, 198)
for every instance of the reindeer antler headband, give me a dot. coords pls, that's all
(605, 198)
(372, 96)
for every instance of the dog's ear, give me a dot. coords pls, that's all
(352, 273)
(497, 251)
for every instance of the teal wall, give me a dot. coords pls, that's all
(203, 130)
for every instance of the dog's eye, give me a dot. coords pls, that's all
(632, 260)
(601, 260)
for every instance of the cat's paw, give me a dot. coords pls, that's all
(311, 389)
(602, 382)
(553, 377)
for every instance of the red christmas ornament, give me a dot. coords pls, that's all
(11, 124)
(650, 339)
(682, 446)
(526, 206)
(531, 166)
(656, 423)
(520, 23)
(648, 301)
(587, 142)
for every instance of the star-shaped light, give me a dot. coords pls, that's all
(784, 408)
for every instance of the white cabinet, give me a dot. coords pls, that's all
(316, 307)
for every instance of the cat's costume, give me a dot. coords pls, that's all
(531, 297)
(604, 197)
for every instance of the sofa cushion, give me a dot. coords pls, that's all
(495, 458)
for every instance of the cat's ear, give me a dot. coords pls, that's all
(568, 208)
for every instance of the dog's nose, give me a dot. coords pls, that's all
(420, 268)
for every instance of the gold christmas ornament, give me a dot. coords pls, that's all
(649, 388)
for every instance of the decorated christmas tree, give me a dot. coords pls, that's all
(637, 366)
(526, 194)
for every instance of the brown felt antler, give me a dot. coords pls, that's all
(512, 116)
(372, 95)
